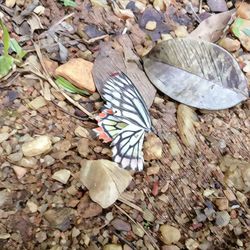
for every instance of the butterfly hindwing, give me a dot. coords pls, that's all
(127, 147)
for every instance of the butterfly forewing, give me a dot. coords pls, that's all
(126, 101)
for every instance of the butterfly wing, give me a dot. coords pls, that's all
(127, 147)
(109, 125)
(126, 102)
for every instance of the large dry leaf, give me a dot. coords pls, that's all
(212, 28)
(105, 180)
(110, 60)
(196, 73)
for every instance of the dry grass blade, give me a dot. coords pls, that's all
(124, 199)
(45, 75)
(139, 225)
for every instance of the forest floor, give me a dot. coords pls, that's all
(195, 197)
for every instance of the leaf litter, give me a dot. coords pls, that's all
(51, 212)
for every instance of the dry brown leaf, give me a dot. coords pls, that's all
(212, 28)
(105, 180)
(35, 23)
(79, 72)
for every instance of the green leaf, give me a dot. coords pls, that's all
(6, 38)
(69, 3)
(65, 84)
(16, 48)
(6, 63)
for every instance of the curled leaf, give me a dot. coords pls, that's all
(65, 84)
(196, 73)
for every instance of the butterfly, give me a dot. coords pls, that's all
(124, 121)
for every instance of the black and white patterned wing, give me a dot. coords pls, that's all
(127, 147)
(126, 102)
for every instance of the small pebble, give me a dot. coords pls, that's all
(239, 243)
(181, 31)
(170, 234)
(137, 230)
(61, 176)
(41, 236)
(112, 247)
(82, 132)
(152, 148)
(19, 171)
(48, 160)
(4, 236)
(75, 232)
(201, 217)
(15, 156)
(39, 10)
(229, 194)
(28, 162)
(148, 215)
(208, 192)
(37, 103)
(191, 244)
(83, 147)
(63, 145)
(222, 203)
(158, 100)
(165, 37)
(4, 136)
(37, 146)
(151, 25)
(171, 247)
(121, 225)
(153, 170)
(229, 44)
(32, 206)
(222, 218)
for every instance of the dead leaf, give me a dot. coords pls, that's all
(34, 23)
(110, 60)
(78, 72)
(212, 28)
(196, 73)
(105, 180)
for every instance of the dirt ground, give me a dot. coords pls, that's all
(196, 196)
